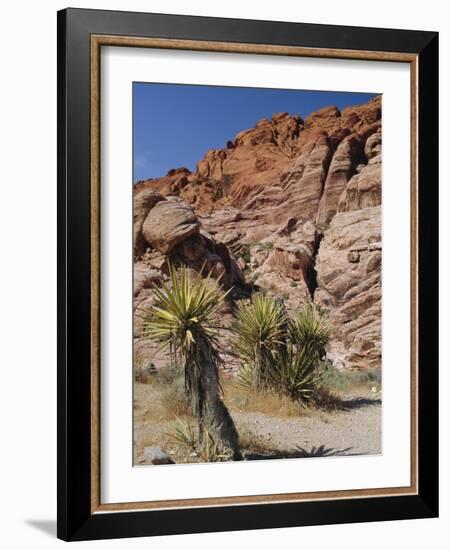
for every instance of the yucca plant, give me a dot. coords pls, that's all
(183, 434)
(245, 375)
(182, 321)
(294, 373)
(309, 329)
(209, 448)
(260, 329)
(278, 353)
(205, 445)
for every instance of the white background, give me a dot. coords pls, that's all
(28, 289)
(120, 482)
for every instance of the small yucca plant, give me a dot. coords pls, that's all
(209, 449)
(182, 320)
(183, 434)
(205, 445)
(260, 328)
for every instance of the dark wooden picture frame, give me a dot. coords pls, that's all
(81, 34)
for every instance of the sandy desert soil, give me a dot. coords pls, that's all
(353, 429)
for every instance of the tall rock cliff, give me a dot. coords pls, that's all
(291, 206)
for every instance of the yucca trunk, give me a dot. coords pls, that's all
(202, 385)
(183, 320)
(216, 419)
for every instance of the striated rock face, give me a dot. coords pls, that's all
(290, 206)
(364, 188)
(343, 166)
(348, 267)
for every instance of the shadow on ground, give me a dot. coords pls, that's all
(47, 526)
(358, 403)
(300, 452)
(343, 405)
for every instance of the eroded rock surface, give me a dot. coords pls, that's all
(348, 267)
(291, 206)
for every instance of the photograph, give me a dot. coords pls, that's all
(257, 267)
(247, 273)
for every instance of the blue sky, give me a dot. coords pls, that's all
(175, 124)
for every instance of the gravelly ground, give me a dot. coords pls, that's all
(354, 430)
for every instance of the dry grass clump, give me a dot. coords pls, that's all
(257, 444)
(144, 371)
(174, 400)
(271, 403)
(170, 387)
(327, 400)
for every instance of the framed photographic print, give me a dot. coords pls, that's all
(247, 274)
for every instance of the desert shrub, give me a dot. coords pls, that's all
(258, 331)
(257, 443)
(247, 399)
(324, 398)
(295, 373)
(168, 373)
(334, 379)
(183, 434)
(267, 245)
(204, 444)
(209, 449)
(245, 375)
(174, 399)
(280, 354)
(173, 396)
(309, 329)
(144, 372)
(245, 253)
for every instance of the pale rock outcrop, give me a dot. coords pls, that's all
(303, 184)
(144, 201)
(342, 167)
(144, 277)
(364, 188)
(348, 269)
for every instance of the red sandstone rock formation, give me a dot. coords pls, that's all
(294, 205)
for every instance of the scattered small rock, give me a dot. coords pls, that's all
(353, 256)
(156, 456)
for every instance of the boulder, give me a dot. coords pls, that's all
(144, 277)
(156, 456)
(169, 223)
(364, 188)
(144, 201)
